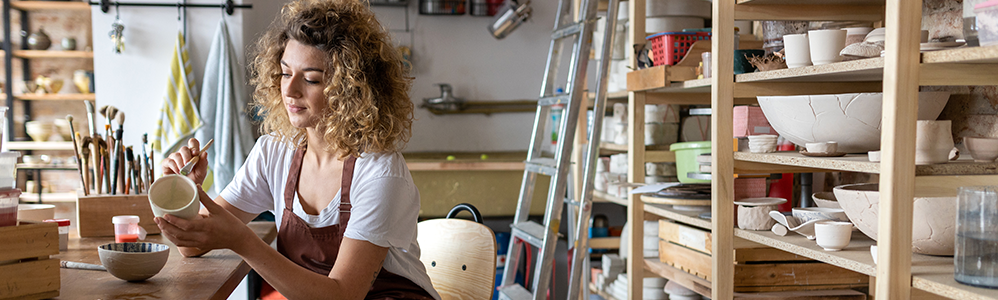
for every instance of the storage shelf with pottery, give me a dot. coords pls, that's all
(959, 66)
(793, 162)
(57, 97)
(653, 153)
(49, 5)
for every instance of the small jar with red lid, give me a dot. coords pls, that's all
(63, 232)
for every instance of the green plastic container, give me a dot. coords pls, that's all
(686, 159)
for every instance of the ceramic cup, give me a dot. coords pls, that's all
(176, 195)
(933, 142)
(798, 53)
(822, 147)
(856, 34)
(833, 235)
(982, 149)
(874, 156)
(825, 45)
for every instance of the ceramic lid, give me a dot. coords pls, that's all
(761, 201)
(125, 220)
(60, 222)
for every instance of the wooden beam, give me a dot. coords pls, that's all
(897, 172)
(959, 74)
(753, 89)
(812, 12)
(722, 172)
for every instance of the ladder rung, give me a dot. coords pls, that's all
(529, 232)
(514, 292)
(560, 99)
(543, 165)
(569, 30)
(574, 203)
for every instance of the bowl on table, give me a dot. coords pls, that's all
(852, 120)
(133, 261)
(933, 222)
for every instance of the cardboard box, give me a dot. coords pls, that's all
(749, 120)
(26, 269)
(94, 213)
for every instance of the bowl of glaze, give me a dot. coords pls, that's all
(133, 261)
(852, 120)
(933, 227)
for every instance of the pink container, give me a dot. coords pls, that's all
(8, 207)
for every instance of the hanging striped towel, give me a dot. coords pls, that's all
(179, 117)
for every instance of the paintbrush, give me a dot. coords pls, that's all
(92, 125)
(129, 174)
(105, 165)
(119, 172)
(85, 163)
(144, 164)
(96, 161)
(194, 160)
(76, 152)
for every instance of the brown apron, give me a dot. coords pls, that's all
(316, 248)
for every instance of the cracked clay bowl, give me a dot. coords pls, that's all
(133, 261)
(933, 224)
(852, 120)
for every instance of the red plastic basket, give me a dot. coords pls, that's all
(668, 48)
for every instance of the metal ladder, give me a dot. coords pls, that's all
(544, 236)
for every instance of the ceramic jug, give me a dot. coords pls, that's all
(82, 81)
(39, 40)
(933, 142)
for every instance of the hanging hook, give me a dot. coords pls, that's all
(117, 15)
(179, 5)
(230, 7)
(105, 6)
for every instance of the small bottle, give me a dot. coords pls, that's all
(127, 229)
(63, 232)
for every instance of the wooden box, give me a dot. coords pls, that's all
(94, 213)
(758, 268)
(26, 270)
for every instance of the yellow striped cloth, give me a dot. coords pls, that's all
(179, 117)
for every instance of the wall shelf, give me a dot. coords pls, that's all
(602, 197)
(39, 145)
(49, 5)
(53, 54)
(57, 97)
(793, 162)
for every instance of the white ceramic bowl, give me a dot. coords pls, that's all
(982, 149)
(826, 200)
(805, 214)
(852, 120)
(933, 224)
(133, 261)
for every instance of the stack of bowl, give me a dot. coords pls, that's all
(39, 131)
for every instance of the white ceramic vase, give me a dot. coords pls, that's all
(933, 142)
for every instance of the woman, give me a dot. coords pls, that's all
(334, 96)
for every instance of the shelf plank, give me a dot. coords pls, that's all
(870, 69)
(593, 289)
(45, 167)
(57, 97)
(937, 278)
(40, 145)
(803, 11)
(53, 54)
(963, 55)
(47, 5)
(48, 197)
(830, 2)
(793, 162)
(688, 217)
(603, 197)
(699, 285)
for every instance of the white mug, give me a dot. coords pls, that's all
(833, 235)
(798, 53)
(826, 45)
(176, 195)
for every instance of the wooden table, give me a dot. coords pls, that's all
(212, 276)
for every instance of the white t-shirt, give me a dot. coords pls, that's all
(385, 202)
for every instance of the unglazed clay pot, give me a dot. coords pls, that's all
(982, 149)
(825, 200)
(933, 142)
(755, 217)
(852, 120)
(933, 222)
(133, 261)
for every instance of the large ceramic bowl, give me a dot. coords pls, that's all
(933, 224)
(133, 261)
(852, 120)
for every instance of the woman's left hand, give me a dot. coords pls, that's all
(218, 229)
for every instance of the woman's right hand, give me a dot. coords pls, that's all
(177, 160)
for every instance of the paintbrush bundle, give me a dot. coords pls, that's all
(107, 166)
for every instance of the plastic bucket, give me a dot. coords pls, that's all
(686, 159)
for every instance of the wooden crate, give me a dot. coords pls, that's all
(26, 270)
(94, 213)
(758, 268)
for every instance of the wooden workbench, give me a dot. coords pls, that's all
(212, 276)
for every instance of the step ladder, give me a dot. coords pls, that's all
(544, 236)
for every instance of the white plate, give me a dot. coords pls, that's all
(761, 201)
(939, 46)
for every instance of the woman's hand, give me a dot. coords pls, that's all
(177, 160)
(215, 229)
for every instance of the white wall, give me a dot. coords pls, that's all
(446, 49)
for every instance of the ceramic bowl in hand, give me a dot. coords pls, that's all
(133, 261)
(176, 195)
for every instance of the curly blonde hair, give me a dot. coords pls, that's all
(368, 107)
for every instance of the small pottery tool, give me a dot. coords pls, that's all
(194, 160)
(80, 266)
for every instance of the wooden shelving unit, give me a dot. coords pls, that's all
(898, 75)
(49, 5)
(57, 97)
(53, 54)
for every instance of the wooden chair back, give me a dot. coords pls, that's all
(460, 258)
